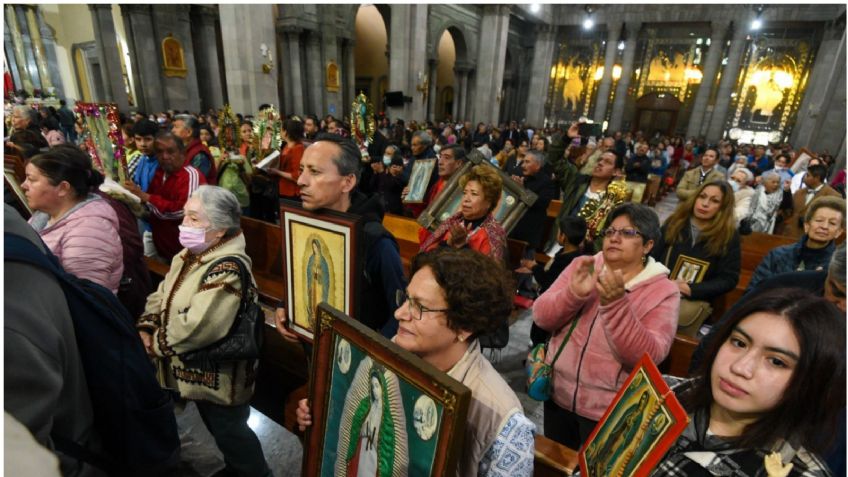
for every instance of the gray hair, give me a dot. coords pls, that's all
(644, 219)
(537, 156)
(28, 113)
(190, 122)
(749, 176)
(836, 270)
(770, 173)
(349, 158)
(221, 206)
(169, 136)
(424, 137)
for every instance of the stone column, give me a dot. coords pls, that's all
(729, 76)
(182, 93)
(460, 99)
(49, 42)
(330, 51)
(314, 76)
(827, 76)
(408, 58)
(29, 48)
(18, 45)
(613, 33)
(296, 85)
(543, 57)
(204, 19)
(349, 76)
(38, 48)
(620, 99)
(432, 76)
(491, 60)
(243, 30)
(145, 56)
(719, 33)
(471, 95)
(110, 58)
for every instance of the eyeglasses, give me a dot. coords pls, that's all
(623, 233)
(413, 306)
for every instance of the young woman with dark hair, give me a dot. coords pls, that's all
(768, 393)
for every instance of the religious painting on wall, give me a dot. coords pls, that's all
(575, 76)
(173, 58)
(319, 264)
(671, 65)
(637, 429)
(378, 409)
(514, 201)
(419, 178)
(333, 77)
(770, 88)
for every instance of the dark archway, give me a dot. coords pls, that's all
(657, 112)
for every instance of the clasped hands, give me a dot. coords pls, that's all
(458, 235)
(608, 283)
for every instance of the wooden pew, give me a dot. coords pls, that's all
(677, 362)
(553, 459)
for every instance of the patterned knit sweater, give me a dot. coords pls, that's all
(193, 307)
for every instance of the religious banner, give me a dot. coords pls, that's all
(575, 76)
(378, 409)
(671, 65)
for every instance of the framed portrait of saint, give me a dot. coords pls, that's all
(333, 77)
(378, 409)
(319, 264)
(419, 179)
(103, 140)
(637, 429)
(689, 269)
(514, 201)
(173, 58)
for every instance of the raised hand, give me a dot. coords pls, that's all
(584, 277)
(610, 286)
(458, 236)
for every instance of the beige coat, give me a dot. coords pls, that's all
(192, 308)
(689, 182)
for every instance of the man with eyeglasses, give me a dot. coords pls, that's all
(329, 173)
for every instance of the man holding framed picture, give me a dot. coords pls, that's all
(329, 173)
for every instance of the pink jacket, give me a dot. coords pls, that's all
(86, 241)
(608, 340)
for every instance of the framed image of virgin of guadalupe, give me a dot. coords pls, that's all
(378, 409)
(514, 201)
(637, 429)
(320, 264)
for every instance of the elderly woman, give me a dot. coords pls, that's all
(740, 181)
(766, 202)
(78, 226)
(605, 312)
(701, 247)
(195, 306)
(474, 226)
(441, 315)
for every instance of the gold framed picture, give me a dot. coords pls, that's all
(689, 269)
(173, 58)
(333, 77)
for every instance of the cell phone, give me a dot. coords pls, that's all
(586, 130)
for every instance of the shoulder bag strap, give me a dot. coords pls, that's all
(244, 278)
(564, 341)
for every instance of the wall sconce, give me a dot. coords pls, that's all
(265, 53)
(423, 87)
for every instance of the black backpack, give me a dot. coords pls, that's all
(133, 415)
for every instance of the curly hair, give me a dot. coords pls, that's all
(721, 229)
(489, 180)
(479, 303)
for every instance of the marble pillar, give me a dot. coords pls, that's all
(827, 76)
(620, 100)
(38, 49)
(461, 98)
(491, 61)
(110, 57)
(182, 93)
(284, 81)
(11, 64)
(314, 76)
(296, 85)
(711, 64)
(543, 57)
(432, 77)
(349, 76)
(243, 30)
(18, 46)
(205, 46)
(49, 42)
(145, 56)
(408, 58)
(729, 75)
(29, 51)
(471, 95)
(613, 34)
(333, 102)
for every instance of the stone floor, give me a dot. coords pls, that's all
(283, 450)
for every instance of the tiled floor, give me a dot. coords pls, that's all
(283, 450)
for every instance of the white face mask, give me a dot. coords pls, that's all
(387, 160)
(734, 185)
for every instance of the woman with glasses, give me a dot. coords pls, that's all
(440, 317)
(701, 247)
(605, 311)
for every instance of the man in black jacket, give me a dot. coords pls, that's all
(535, 179)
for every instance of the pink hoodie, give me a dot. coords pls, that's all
(86, 242)
(608, 340)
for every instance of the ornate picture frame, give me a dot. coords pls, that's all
(419, 180)
(333, 77)
(638, 427)
(514, 202)
(421, 428)
(173, 58)
(320, 264)
(229, 137)
(689, 269)
(103, 139)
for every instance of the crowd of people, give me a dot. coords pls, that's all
(618, 283)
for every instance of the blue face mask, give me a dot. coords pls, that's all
(387, 160)
(734, 185)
